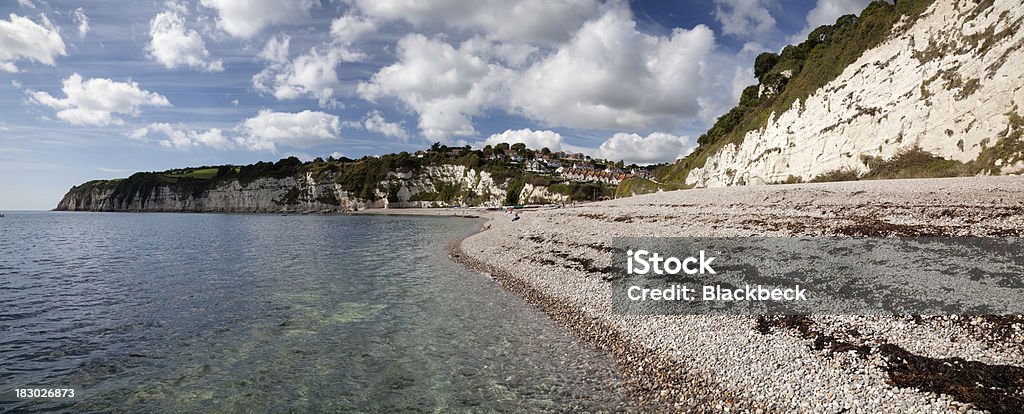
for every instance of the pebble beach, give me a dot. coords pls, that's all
(559, 260)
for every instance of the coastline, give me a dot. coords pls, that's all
(652, 377)
(555, 259)
(473, 212)
(441, 212)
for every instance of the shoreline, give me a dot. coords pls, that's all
(657, 392)
(467, 212)
(438, 212)
(555, 259)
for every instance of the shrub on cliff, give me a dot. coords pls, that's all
(913, 163)
(841, 174)
(512, 192)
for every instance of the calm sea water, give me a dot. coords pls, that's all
(265, 313)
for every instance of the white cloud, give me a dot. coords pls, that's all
(744, 18)
(27, 3)
(512, 53)
(445, 85)
(265, 131)
(752, 49)
(741, 78)
(82, 21)
(138, 134)
(826, 12)
(375, 122)
(96, 101)
(276, 49)
(533, 139)
(310, 74)
(174, 45)
(246, 18)
(654, 148)
(181, 138)
(177, 7)
(234, 102)
(213, 138)
(543, 21)
(346, 29)
(23, 39)
(632, 80)
(313, 73)
(305, 129)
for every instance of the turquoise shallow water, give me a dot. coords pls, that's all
(265, 313)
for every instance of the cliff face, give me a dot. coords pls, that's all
(304, 193)
(950, 82)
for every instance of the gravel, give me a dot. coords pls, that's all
(738, 363)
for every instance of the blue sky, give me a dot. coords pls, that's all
(100, 89)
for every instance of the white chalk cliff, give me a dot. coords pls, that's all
(950, 82)
(306, 194)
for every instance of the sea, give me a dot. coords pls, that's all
(178, 312)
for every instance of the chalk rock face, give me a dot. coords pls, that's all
(304, 193)
(951, 83)
(477, 188)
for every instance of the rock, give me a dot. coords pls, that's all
(892, 98)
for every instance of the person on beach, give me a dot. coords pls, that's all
(515, 216)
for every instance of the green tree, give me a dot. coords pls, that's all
(764, 63)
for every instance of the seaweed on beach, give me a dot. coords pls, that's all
(534, 238)
(603, 248)
(799, 323)
(545, 261)
(994, 329)
(870, 227)
(585, 264)
(995, 388)
(804, 326)
(929, 221)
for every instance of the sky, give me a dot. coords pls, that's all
(99, 89)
